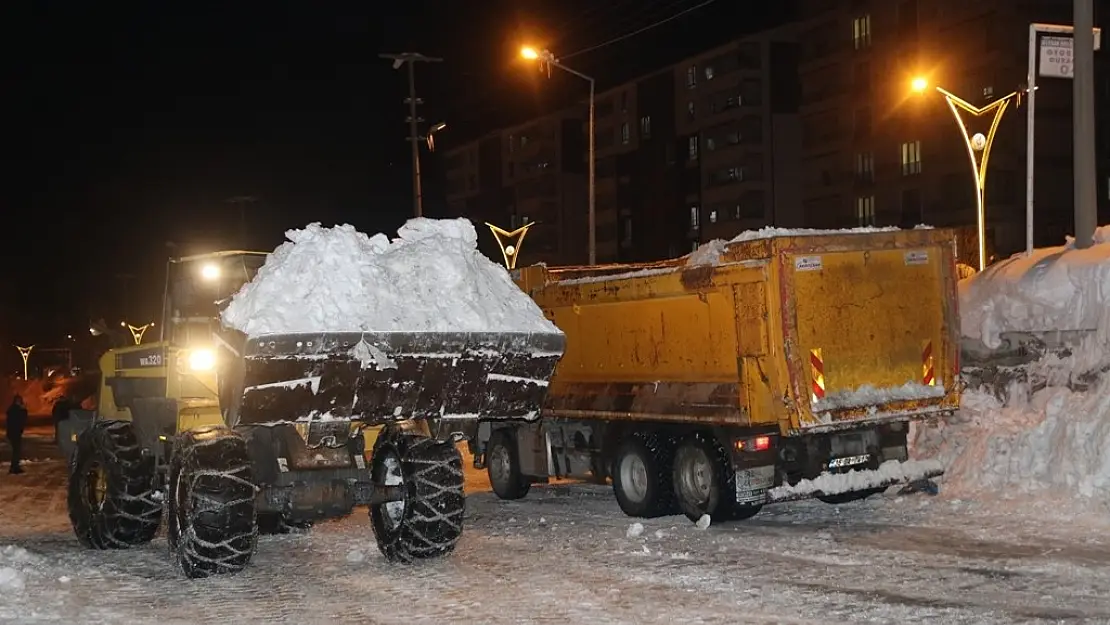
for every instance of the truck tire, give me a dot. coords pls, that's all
(642, 475)
(429, 520)
(212, 529)
(704, 482)
(503, 466)
(111, 491)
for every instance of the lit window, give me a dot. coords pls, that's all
(709, 72)
(691, 76)
(861, 32)
(693, 147)
(713, 217)
(625, 134)
(865, 166)
(645, 126)
(690, 109)
(695, 216)
(865, 210)
(911, 158)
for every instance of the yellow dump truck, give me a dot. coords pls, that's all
(765, 369)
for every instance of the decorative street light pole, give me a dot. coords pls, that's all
(25, 352)
(510, 242)
(978, 148)
(545, 57)
(137, 332)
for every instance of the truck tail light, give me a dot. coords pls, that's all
(758, 443)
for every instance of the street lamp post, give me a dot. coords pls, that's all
(545, 57)
(978, 148)
(25, 352)
(137, 332)
(510, 242)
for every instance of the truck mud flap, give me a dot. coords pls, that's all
(376, 378)
(890, 473)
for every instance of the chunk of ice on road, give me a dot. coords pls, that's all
(431, 278)
(11, 579)
(703, 522)
(635, 530)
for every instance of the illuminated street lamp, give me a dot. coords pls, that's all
(510, 242)
(978, 147)
(137, 332)
(25, 352)
(547, 59)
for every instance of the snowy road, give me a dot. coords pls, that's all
(566, 554)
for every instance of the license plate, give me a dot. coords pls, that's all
(848, 461)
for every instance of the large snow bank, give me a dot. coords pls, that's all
(431, 278)
(1054, 445)
(1056, 288)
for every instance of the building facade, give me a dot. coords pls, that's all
(877, 153)
(739, 136)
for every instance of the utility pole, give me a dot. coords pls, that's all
(1083, 110)
(410, 58)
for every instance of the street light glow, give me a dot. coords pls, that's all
(919, 84)
(529, 53)
(210, 272)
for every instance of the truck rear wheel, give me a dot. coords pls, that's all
(212, 528)
(428, 521)
(704, 482)
(110, 496)
(642, 475)
(503, 466)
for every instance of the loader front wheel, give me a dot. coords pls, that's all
(503, 467)
(642, 475)
(212, 527)
(111, 498)
(428, 520)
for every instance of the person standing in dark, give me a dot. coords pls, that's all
(17, 420)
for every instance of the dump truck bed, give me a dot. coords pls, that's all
(812, 333)
(375, 378)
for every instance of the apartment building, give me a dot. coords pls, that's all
(739, 136)
(875, 152)
(530, 173)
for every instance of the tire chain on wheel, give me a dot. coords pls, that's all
(212, 473)
(435, 502)
(662, 448)
(130, 514)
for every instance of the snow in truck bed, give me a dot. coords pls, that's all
(431, 278)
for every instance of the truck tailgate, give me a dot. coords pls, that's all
(871, 332)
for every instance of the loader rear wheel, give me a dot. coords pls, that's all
(111, 497)
(212, 528)
(503, 466)
(642, 475)
(428, 521)
(704, 482)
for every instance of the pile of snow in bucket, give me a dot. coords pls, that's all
(1056, 288)
(431, 278)
(1050, 443)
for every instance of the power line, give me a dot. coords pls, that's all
(638, 31)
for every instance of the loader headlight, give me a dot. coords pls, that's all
(202, 359)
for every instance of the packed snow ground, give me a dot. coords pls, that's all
(566, 554)
(431, 278)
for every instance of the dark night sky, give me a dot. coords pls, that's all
(134, 123)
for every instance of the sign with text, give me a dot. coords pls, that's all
(1056, 54)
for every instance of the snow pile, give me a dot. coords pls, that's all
(709, 253)
(836, 483)
(1054, 445)
(431, 278)
(1056, 288)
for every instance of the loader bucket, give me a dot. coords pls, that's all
(376, 378)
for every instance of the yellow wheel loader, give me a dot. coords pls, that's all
(229, 436)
